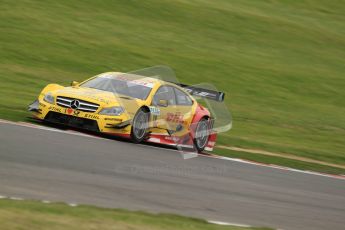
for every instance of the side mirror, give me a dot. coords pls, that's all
(163, 103)
(74, 83)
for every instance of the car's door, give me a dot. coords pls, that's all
(164, 108)
(184, 108)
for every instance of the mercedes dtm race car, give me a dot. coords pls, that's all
(132, 106)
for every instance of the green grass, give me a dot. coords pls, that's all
(55, 216)
(281, 63)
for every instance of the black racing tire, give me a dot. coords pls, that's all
(140, 127)
(202, 133)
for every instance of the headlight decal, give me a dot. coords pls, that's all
(49, 98)
(112, 111)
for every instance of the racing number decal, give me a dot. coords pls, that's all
(154, 120)
(154, 110)
(155, 113)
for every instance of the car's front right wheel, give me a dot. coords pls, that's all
(140, 125)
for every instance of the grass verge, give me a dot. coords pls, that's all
(54, 216)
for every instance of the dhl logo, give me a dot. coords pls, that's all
(175, 117)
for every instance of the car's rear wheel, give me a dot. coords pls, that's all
(202, 133)
(140, 125)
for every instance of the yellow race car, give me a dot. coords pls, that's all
(132, 106)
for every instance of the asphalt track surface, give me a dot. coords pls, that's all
(46, 165)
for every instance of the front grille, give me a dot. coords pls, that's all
(82, 105)
(77, 122)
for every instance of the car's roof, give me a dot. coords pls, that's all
(130, 77)
(138, 79)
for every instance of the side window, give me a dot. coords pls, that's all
(165, 93)
(182, 98)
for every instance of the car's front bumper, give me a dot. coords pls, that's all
(85, 120)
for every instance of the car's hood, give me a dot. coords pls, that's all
(104, 98)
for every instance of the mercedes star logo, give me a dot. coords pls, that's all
(75, 104)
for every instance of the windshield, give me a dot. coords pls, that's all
(121, 84)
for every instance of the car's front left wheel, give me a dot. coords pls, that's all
(140, 125)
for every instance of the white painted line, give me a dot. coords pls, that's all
(275, 166)
(228, 224)
(29, 125)
(72, 204)
(15, 198)
(45, 201)
(189, 155)
(3, 197)
(208, 149)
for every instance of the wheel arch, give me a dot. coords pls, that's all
(145, 107)
(200, 113)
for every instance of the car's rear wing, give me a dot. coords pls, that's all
(201, 92)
